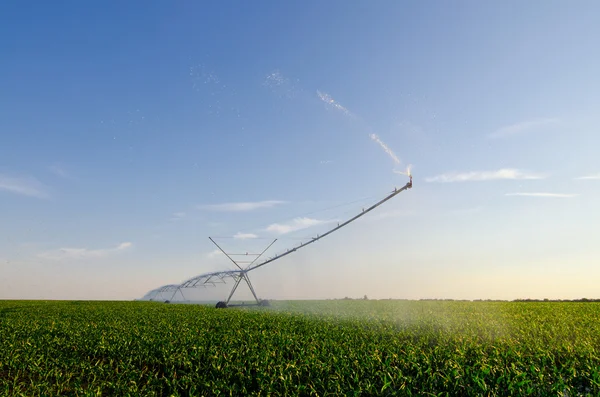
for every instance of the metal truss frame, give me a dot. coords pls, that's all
(238, 276)
(160, 291)
(241, 274)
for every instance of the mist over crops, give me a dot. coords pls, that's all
(342, 347)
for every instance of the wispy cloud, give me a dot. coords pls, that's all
(59, 170)
(549, 195)
(177, 216)
(385, 148)
(83, 253)
(523, 127)
(295, 225)
(244, 206)
(389, 214)
(26, 186)
(589, 177)
(330, 102)
(214, 253)
(477, 176)
(244, 236)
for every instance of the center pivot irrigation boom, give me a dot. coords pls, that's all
(241, 274)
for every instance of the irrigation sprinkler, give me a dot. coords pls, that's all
(241, 274)
(158, 294)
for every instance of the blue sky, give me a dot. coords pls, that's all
(130, 132)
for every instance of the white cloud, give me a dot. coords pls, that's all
(553, 195)
(214, 253)
(385, 148)
(589, 177)
(295, 225)
(59, 170)
(522, 127)
(83, 253)
(237, 207)
(244, 236)
(476, 176)
(389, 214)
(177, 216)
(26, 186)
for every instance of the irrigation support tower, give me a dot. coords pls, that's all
(241, 274)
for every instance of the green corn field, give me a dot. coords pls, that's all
(318, 348)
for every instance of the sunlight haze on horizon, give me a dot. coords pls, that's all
(130, 132)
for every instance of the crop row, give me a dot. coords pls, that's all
(300, 348)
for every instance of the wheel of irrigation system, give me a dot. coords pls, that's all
(265, 303)
(221, 305)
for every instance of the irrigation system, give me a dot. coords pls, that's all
(169, 292)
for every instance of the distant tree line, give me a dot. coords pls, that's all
(559, 300)
(365, 298)
(479, 300)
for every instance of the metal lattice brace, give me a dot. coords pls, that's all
(206, 279)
